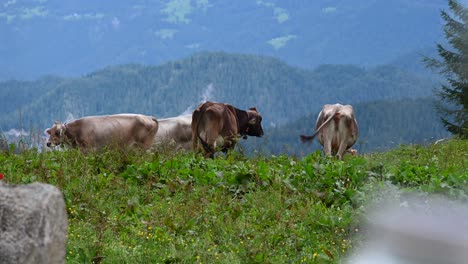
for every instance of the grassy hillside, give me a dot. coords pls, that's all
(132, 207)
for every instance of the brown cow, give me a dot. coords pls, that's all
(337, 129)
(218, 124)
(175, 131)
(94, 132)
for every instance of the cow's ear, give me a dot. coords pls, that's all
(253, 109)
(48, 131)
(252, 121)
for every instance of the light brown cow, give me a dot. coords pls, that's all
(219, 125)
(175, 131)
(94, 132)
(337, 129)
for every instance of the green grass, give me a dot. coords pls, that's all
(138, 207)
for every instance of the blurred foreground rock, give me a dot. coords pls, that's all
(33, 224)
(416, 231)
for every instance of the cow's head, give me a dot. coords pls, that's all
(254, 126)
(56, 134)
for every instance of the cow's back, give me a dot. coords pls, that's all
(337, 128)
(219, 118)
(120, 130)
(213, 125)
(348, 125)
(175, 129)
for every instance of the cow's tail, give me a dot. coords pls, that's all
(305, 138)
(155, 120)
(205, 145)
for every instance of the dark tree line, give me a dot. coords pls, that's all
(453, 65)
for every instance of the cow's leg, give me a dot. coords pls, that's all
(146, 142)
(327, 149)
(205, 145)
(342, 137)
(195, 143)
(208, 148)
(209, 154)
(348, 136)
(229, 143)
(327, 143)
(341, 149)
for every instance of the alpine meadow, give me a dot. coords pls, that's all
(234, 89)
(134, 207)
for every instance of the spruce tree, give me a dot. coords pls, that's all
(453, 66)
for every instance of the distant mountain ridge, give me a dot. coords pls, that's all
(71, 38)
(281, 92)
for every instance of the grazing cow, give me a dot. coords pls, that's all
(175, 131)
(337, 129)
(220, 125)
(94, 132)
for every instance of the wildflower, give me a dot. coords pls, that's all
(315, 255)
(1, 176)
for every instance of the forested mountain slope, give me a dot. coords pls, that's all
(282, 93)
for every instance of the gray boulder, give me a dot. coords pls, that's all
(33, 224)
